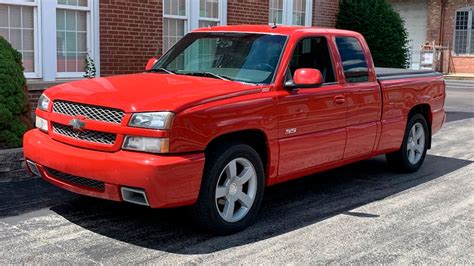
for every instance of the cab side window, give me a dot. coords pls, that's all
(353, 59)
(312, 53)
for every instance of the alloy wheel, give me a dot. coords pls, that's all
(236, 190)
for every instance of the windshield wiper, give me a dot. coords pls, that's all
(206, 74)
(161, 69)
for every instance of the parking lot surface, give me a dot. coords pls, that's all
(361, 213)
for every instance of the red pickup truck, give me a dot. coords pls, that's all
(227, 111)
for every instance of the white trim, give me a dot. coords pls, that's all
(48, 33)
(19, 3)
(223, 12)
(38, 47)
(70, 74)
(210, 19)
(309, 13)
(174, 16)
(96, 35)
(287, 16)
(78, 8)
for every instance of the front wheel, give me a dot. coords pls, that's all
(412, 153)
(231, 190)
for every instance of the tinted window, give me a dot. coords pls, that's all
(353, 59)
(313, 53)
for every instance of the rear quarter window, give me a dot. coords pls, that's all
(353, 59)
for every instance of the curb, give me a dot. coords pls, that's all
(454, 77)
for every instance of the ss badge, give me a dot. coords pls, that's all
(289, 131)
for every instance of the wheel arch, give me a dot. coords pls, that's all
(255, 138)
(425, 110)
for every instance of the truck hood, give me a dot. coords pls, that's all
(148, 91)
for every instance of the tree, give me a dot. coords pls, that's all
(89, 67)
(14, 111)
(382, 28)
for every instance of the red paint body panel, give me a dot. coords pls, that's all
(168, 180)
(306, 130)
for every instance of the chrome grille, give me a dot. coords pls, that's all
(91, 112)
(86, 135)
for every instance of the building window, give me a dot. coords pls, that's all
(72, 38)
(18, 25)
(463, 32)
(175, 21)
(182, 16)
(208, 13)
(28, 26)
(291, 12)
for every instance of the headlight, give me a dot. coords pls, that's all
(146, 144)
(43, 102)
(42, 124)
(153, 120)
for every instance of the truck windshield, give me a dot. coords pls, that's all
(242, 57)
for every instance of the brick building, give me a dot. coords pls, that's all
(54, 36)
(447, 23)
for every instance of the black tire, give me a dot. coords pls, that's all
(399, 160)
(205, 212)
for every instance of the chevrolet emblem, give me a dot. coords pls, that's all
(77, 124)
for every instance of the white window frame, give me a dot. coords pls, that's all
(192, 15)
(92, 35)
(37, 73)
(470, 27)
(184, 17)
(287, 13)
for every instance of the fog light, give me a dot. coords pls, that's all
(146, 144)
(42, 124)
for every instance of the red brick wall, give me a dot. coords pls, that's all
(33, 96)
(130, 33)
(462, 64)
(247, 12)
(325, 13)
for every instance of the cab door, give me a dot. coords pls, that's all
(363, 97)
(312, 121)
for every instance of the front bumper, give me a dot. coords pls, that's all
(168, 181)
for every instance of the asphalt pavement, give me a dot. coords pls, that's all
(361, 213)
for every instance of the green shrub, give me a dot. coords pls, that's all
(382, 27)
(14, 114)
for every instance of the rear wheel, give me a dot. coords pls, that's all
(231, 190)
(412, 153)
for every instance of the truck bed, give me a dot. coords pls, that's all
(401, 73)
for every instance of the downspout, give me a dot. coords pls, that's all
(441, 33)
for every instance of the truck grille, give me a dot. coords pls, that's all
(103, 114)
(86, 135)
(86, 182)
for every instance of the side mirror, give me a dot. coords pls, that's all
(151, 62)
(306, 78)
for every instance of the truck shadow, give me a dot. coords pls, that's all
(286, 207)
(455, 116)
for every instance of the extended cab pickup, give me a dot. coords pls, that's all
(227, 111)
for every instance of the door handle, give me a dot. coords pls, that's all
(340, 99)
